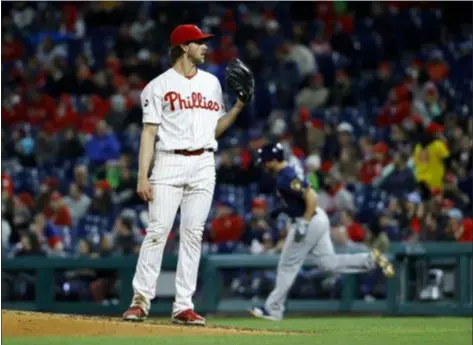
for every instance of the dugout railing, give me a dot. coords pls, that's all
(409, 260)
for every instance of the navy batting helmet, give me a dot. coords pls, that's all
(269, 152)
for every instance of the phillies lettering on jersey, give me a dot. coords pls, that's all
(186, 109)
(196, 100)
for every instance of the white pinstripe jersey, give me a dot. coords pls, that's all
(186, 109)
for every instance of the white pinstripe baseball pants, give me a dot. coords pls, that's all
(188, 182)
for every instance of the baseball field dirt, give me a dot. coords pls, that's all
(28, 324)
(27, 328)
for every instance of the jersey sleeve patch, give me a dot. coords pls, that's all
(151, 106)
(296, 185)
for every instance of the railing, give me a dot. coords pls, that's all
(398, 301)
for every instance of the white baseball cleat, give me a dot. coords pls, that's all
(262, 313)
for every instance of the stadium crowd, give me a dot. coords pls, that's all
(372, 101)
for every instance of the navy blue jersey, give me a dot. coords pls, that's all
(290, 187)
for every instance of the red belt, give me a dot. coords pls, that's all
(192, 153)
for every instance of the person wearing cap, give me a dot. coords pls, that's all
(227, 226)
(373, 167)
(309, 234)
(459, 227)
(183, 115)
(58, 212)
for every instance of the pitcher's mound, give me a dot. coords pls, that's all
(29, 324)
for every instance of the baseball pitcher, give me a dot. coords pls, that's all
(184, 108)
(309, 235)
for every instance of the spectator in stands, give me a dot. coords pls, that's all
(342, 94)
(227, 227)
(28, 245)
(397, 179)
(430, 107)
(429, 161)
(47, 51)
(11, 111)
(431, 228)
(12, 49)
(140, 27)
(25, 149)
(118, 113)
(6, 233)
(124, 44)
(459, 228)
(66, 115)
(320, 45)
(315, 95)
(301, 56)
(70, 148)
(383, 82)
(58, 212)
(82, 83)
(252, 56)
(98, 220)
(77, 202)
(355, 230)
(334, 197)
(48, 18)
(461, 160)
(40, 108)
(389, 225)
(453, 193)
(373, 167)
(335, 141)
(47, 187)
(126, 195)
(123, 240)
(47, 234)
(348, 166)
(376, 236)
(341, 240)
(399, 139)
(228, 171)
(23, 15)
(82, 179)
(102, 147)
(259, 232)
(312, 164)
(437, 68)
(7, 198)
(366, 147)
(397, 108)
(45, 147)
(412, 211)
(150, 66)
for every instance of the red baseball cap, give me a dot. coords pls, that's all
(185, 33)
(258, 203)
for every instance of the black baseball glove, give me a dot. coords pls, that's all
(241, 80)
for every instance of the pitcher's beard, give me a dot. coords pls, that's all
(197, 60)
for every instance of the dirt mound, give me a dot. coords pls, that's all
(28, 324)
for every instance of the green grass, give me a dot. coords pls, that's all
(318, 330)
